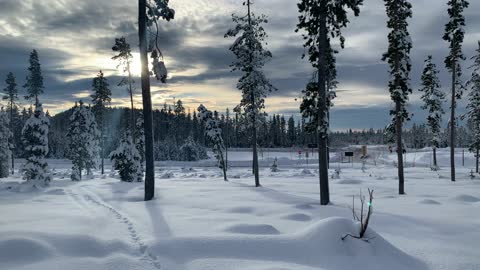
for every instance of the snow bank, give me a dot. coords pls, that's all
(319, 245)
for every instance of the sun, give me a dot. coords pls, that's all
(136, 66)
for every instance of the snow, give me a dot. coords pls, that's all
(199, 222)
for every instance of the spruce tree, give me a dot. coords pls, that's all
(398, 59)
(35, 139)
(322, 21)
(34, 82)
(101, 98)
(5, 147)
(248, 48)
(433, 99)
(454, 35)
(149, 15)
(127, 160)
(82, 138)
(473, 107)
(213, 132)
(11, 96)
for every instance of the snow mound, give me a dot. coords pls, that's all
(349, 182)
(23, 251)
(303, 206)
(429, 201)
(188, 170)
(298, 217)
(242, 210)
(319, 246)
(166, 175)
(306, 172)
(466, 198)
(252, 229)
(57, 191)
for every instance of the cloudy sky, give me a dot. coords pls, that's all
(74, 40)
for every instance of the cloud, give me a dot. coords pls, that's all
(74, 40)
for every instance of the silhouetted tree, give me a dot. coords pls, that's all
(454, 34)
(323, 21)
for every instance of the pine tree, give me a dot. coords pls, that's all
(5, 147)
(251, 55)
(35, 139)
(398, 58)
(433, 99)
(473, 107)
(191, 151)
(83, 138)
(159, 10)
(323, 21)
(214, 134)
(100, 99)
(454, 35)
(11, 95)
(34, 84)
(124, 58)
(127, 160)
(291, 132)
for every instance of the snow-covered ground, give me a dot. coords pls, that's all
(199, 222)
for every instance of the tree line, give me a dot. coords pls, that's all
(321, 24)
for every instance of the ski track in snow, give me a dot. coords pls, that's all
(89, 197)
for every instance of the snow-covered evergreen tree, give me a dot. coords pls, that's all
(454, 35)
(322, 21)
(248, 47)
(191, 150)
(433, 98)
(83, 138)
(35, 139)
(34, 84)
(11, 96)
(140, 137)
(398, 59)
(101, 98)
(214, 134)
(473, 107)
(127, 160)
(5, 152)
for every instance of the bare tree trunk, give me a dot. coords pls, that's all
(434, 157)
(147, 102)
(226, 144)
(322, 107)
(102, 133)
(12, 148)
(476, 160)
(132, 112)
(452, 124)
(398, 131)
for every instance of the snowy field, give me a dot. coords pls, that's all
(199, 222)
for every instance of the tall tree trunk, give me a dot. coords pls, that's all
(254, 120)
(226, 144)
(102, 133)
(147, 102)
(476, 160)
(132, 112)
(398, 131)
(12, 147)
(322, 107)
(452, 124)
(435, 157)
